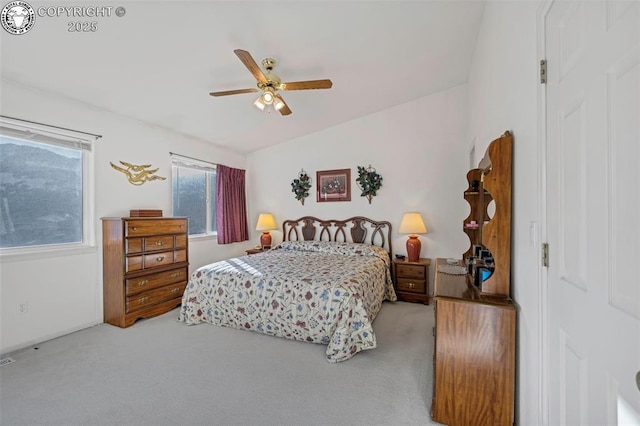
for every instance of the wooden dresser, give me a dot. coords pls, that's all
(474, 355)
(475, 333)
(145, 267)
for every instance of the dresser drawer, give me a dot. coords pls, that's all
(153, 297)
(133, 263)
(411, 286)
(181, 241)
(136, 228)
(154, 260)
(133, 245)
(151, 281)
(158, 259)
(158, 243)
(410, 271)
(179, 256)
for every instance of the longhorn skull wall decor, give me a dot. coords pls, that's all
(137, 175)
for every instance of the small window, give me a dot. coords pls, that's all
(194, 193)
(45, 196)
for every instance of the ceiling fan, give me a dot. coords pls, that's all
(269, 84)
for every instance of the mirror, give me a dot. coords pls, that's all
(491, 210)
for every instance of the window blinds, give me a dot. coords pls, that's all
(192, 163)
(35, 132)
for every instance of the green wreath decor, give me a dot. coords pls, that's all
(369, 181)
(300, 186)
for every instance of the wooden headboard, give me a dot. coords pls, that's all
(357, 229)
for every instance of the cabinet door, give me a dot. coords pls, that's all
(475, 364)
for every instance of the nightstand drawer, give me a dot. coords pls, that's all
(410, 285)
(411, 271)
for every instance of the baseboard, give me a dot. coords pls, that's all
(11, 351)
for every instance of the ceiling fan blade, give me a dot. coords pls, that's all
(285, 108)
(233, 92)
(306, 85)
(251, 65)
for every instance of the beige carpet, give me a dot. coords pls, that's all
(161, 372)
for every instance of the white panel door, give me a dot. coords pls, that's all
(593, 211)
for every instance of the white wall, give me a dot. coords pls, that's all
(420, 150)
(503, 87)
(64, 294)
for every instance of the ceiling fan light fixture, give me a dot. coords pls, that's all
(269, 84)
(278, 103)
(267, 97)
(259, 103)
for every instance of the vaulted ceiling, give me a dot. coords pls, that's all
(159, 61)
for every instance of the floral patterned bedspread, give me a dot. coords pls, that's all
(321, 292)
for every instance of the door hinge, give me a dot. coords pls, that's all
(545, 254)
(543, 71)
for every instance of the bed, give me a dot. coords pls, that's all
(325, 283)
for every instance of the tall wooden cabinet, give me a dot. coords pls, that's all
(145, 267)
(475, 331)
(474, 354)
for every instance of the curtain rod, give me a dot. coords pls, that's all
(191, 158)
(55, 127)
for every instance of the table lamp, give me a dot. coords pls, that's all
(413, 224)
(266, 222)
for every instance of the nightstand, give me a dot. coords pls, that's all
(254, 251)
(411, 280)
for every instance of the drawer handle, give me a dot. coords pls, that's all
(143, 299)
(174, 290)
(133, 228)
(175, 275)
(143, 283)
(411, 285)
(181, 226)
(159, 258)
(159, 243)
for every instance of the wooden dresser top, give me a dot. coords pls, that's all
(460, 287)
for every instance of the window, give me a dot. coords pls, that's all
(45, 196)
(194, 193)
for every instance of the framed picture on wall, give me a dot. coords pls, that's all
(333, 185)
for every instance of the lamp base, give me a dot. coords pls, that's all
(265, 239)
(413, 248)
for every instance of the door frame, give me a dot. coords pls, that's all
(543, 284)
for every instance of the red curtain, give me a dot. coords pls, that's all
(231, 205)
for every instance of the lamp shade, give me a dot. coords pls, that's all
(412, 223)
(266, 222)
